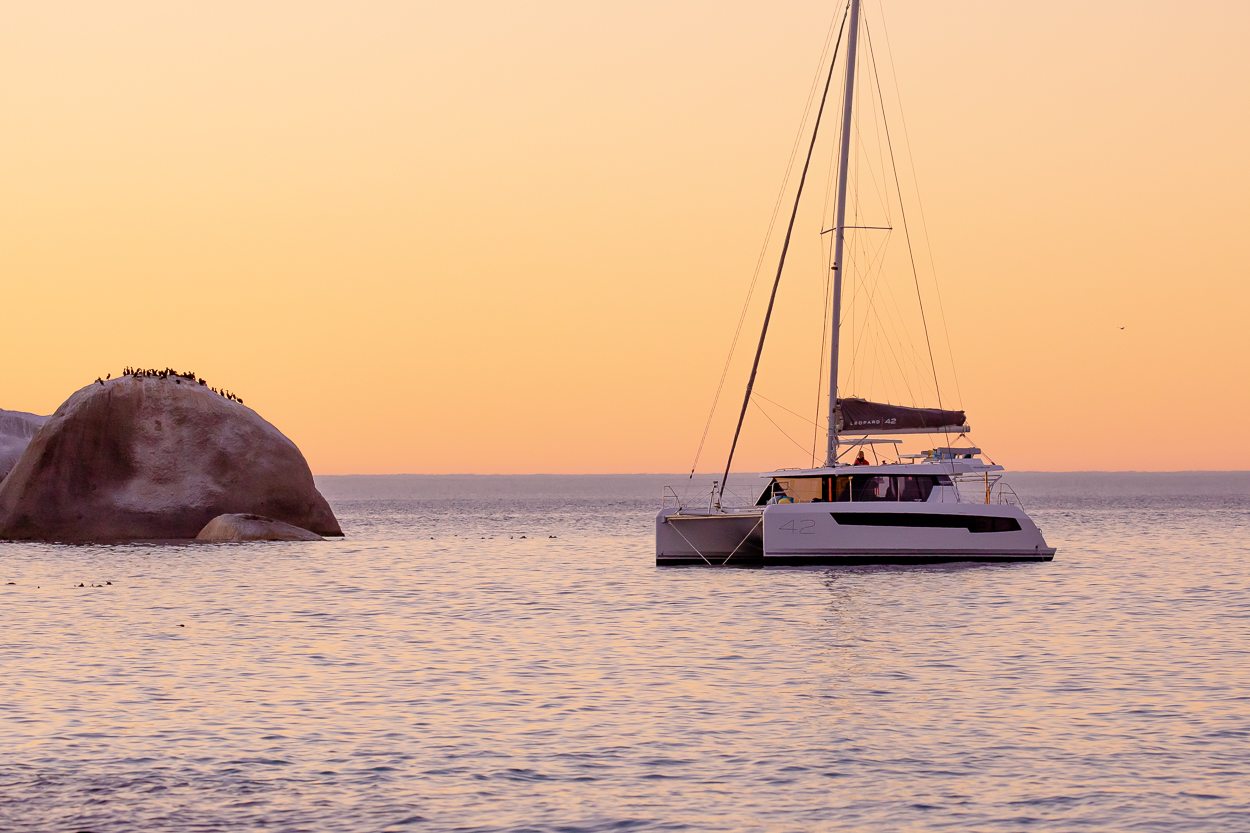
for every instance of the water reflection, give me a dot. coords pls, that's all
(424, 674)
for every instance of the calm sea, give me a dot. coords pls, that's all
(500, 653)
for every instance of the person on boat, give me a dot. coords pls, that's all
(861, 460)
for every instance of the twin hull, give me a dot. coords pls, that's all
(849, 533)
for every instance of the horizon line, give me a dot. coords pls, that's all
(754, 473)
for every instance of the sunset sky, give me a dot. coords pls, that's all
(516, 237)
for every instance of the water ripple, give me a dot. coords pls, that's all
(437, 671)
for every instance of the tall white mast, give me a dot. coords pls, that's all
(839, 236)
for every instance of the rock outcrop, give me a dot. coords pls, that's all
(16, 429)
(152, 458)
(232, 528)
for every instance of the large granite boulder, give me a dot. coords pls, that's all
(229, 529)
(16, 429)
(155, 457)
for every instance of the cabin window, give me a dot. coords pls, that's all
(865, 488)
(915, 487)
(878, 487)
(841, 489)
(801, 489)
(855, 488)
(798, 489)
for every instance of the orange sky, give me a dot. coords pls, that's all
(502, 237)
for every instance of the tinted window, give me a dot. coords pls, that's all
(915, 487)
(798, 489)
(865, 487)
(972, 523)
(801, 489)
(994, 525)
(878, 487)
(842, 490)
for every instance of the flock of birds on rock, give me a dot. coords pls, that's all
(170, 373)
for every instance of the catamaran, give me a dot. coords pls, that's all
(945, 504)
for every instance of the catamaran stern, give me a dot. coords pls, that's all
(710, 539)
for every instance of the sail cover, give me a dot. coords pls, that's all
(859, 416)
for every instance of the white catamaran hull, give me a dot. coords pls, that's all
(850, 533)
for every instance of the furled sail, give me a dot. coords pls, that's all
(856, 416)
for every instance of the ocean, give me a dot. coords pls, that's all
(500, 653)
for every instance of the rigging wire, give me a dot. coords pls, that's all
(759, 395)
(825, 315)
(876, 309)
(785, 247)
(872, 353)
(873, 270)
(826, 312)
(794, 149)
(906, 232)
(903, 215)
(867, 283)
(778, 427)
(920, 203)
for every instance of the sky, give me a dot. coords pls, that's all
(503, 237)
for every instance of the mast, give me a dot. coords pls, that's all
(839, 238)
